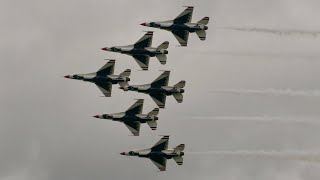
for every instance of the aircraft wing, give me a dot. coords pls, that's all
(181, 36)
(105, 88)
(159, 99)
(162, 144)
(107, 69)
(162, 80)
(142, 60)
(136, 108)
(184, 17)
(145, 41)
(133, 126)
(160, 162)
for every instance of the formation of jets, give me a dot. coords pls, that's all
(158, 90)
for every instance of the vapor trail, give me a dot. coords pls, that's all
(270, 92)
(260, 119)
(281, 32)
(289, 155)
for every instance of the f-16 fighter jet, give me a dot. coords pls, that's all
(159, 89)
(159, 153)
(104, 77)
(133, 117)
(141, 51)
(181, 26)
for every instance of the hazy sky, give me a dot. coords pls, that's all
(47, 131)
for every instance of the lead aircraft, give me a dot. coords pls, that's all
(181, 26)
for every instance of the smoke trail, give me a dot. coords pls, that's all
(259, 119)
(283, 32)
(289, 155)
(271, 92)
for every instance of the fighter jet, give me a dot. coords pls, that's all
(159, 153)
(141, 51)
(104, 77)
(181, 26)
(133, 117)
(158, 89)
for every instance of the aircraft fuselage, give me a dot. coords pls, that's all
(171, 26)
(148, 89)
(95, 78)
(131, 50)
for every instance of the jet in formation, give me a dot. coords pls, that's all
(158, 89)
(141, 51)
(159, 153)
(181, 26)
(133, 117)
(104, 77)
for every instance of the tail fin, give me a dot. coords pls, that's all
(204, 21)
(162, 58)
(179, 148)
(180, 84)
(201, 34)
(164, 45)
(154, 112)
(126, 73)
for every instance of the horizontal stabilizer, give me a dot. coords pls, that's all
(126, 73)
(164, 45)
(180, 84)
(123, 84)
(152, 124)
(201, 34)
(162, 58)
(179, 148)
(204, 21)
(178, 97)
(178, 160)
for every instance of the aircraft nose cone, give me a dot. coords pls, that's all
(206, 28)
(143, 24)
(182, 90)
(123, 153)
(105, 49)
(97, 116)
(67, 76)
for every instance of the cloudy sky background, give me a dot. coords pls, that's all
(47, 131)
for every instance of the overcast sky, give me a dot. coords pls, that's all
(47, 131)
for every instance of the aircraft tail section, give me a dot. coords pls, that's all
(204, 21)
(126, 73)
(164, 45)
(180, 84)
(162, 58)
(201, 34)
